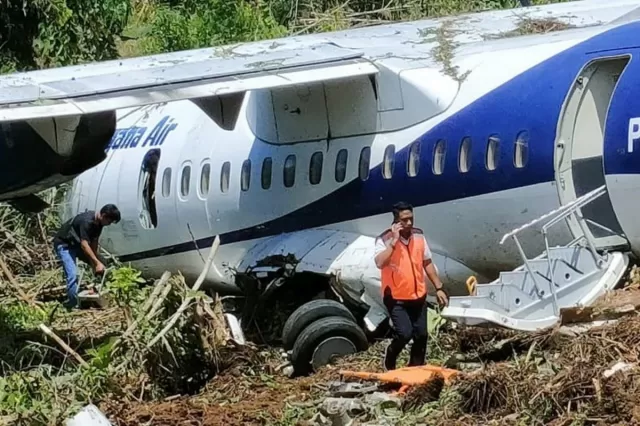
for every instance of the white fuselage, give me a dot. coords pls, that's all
(266, 176)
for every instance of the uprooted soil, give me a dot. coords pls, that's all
(541, 378)
(251, 392)
(549, 378)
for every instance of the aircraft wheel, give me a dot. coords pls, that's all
(324, 340)
(308, 313)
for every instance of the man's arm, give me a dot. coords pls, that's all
(87, 246)
(384, 249)
(94, 246)
(383, 252)
(430, 269)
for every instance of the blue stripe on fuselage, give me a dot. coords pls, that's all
(530, 101)
(625, 106)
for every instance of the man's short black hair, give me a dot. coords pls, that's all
(399, 207)
(110, 211)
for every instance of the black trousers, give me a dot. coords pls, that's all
(409, 318)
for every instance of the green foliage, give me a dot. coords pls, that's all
(188, 24)
(124, 285)
(47, 33)
(46, 396)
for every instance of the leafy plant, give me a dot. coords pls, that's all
(124, 285)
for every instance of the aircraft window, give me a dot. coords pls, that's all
(245, 175)
(492, 152)
(439, 153)
(464, 157)
(166, 182)
(205, 176)
(388, 162)
(148, 213)
(341, 165)
(413, 162)
(267, 165)
(521, 152)
(363, 167)
(315, 168)
(224, 176)
(289, 172)
(185, 181)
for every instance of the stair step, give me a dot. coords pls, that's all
(512, 299)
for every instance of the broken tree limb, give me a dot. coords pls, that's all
(161, 284)
(187, 300)
(157, 306)
(156, 291)
(14, 283)
(46, 330)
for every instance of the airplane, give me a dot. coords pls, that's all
(292, 152)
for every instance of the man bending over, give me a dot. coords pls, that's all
(78, 237)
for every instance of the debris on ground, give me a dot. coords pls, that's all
(161, 353)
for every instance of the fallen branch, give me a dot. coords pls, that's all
(46, 330)
(187, 300)
(14, 283)
(157, 306)
(162, 282)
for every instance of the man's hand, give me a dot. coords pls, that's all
(99, 268)
(395, 231)
(443, 300)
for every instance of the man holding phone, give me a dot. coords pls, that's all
(403, 256)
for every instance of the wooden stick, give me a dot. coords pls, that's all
(159, 286)
(64, 346)
(158, 303)
(156, 291)
(196, 286)
(13, 282)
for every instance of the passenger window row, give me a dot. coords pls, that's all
(520, 157)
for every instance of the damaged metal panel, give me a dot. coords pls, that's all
(297, 244)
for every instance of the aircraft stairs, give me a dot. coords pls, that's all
(530, 297)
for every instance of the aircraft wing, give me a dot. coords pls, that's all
(112, 85)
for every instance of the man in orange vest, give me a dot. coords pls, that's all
(403, 255)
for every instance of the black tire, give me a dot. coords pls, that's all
(308, 313)
(317, 332)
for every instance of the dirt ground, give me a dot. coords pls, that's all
(556, 378)
(243, 395)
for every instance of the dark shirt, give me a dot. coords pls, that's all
(81, 227)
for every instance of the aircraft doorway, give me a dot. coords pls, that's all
(579, 149)
(147, 189)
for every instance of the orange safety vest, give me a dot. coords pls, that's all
(403, 276)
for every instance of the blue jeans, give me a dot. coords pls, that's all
(68, 258)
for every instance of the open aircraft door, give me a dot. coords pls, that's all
(580, 147)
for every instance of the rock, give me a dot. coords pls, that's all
(380, 398)
(319, 420)
(350, 390)
(342, 411)
(620, 366)
(288, 371)
(90, 415)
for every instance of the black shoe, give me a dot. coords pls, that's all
(388, 364)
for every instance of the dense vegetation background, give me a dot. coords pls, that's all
(49, 33)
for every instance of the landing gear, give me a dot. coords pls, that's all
(308, 313)
(320, 331)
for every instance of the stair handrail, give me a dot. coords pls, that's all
(573, 205)
(560, 213)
